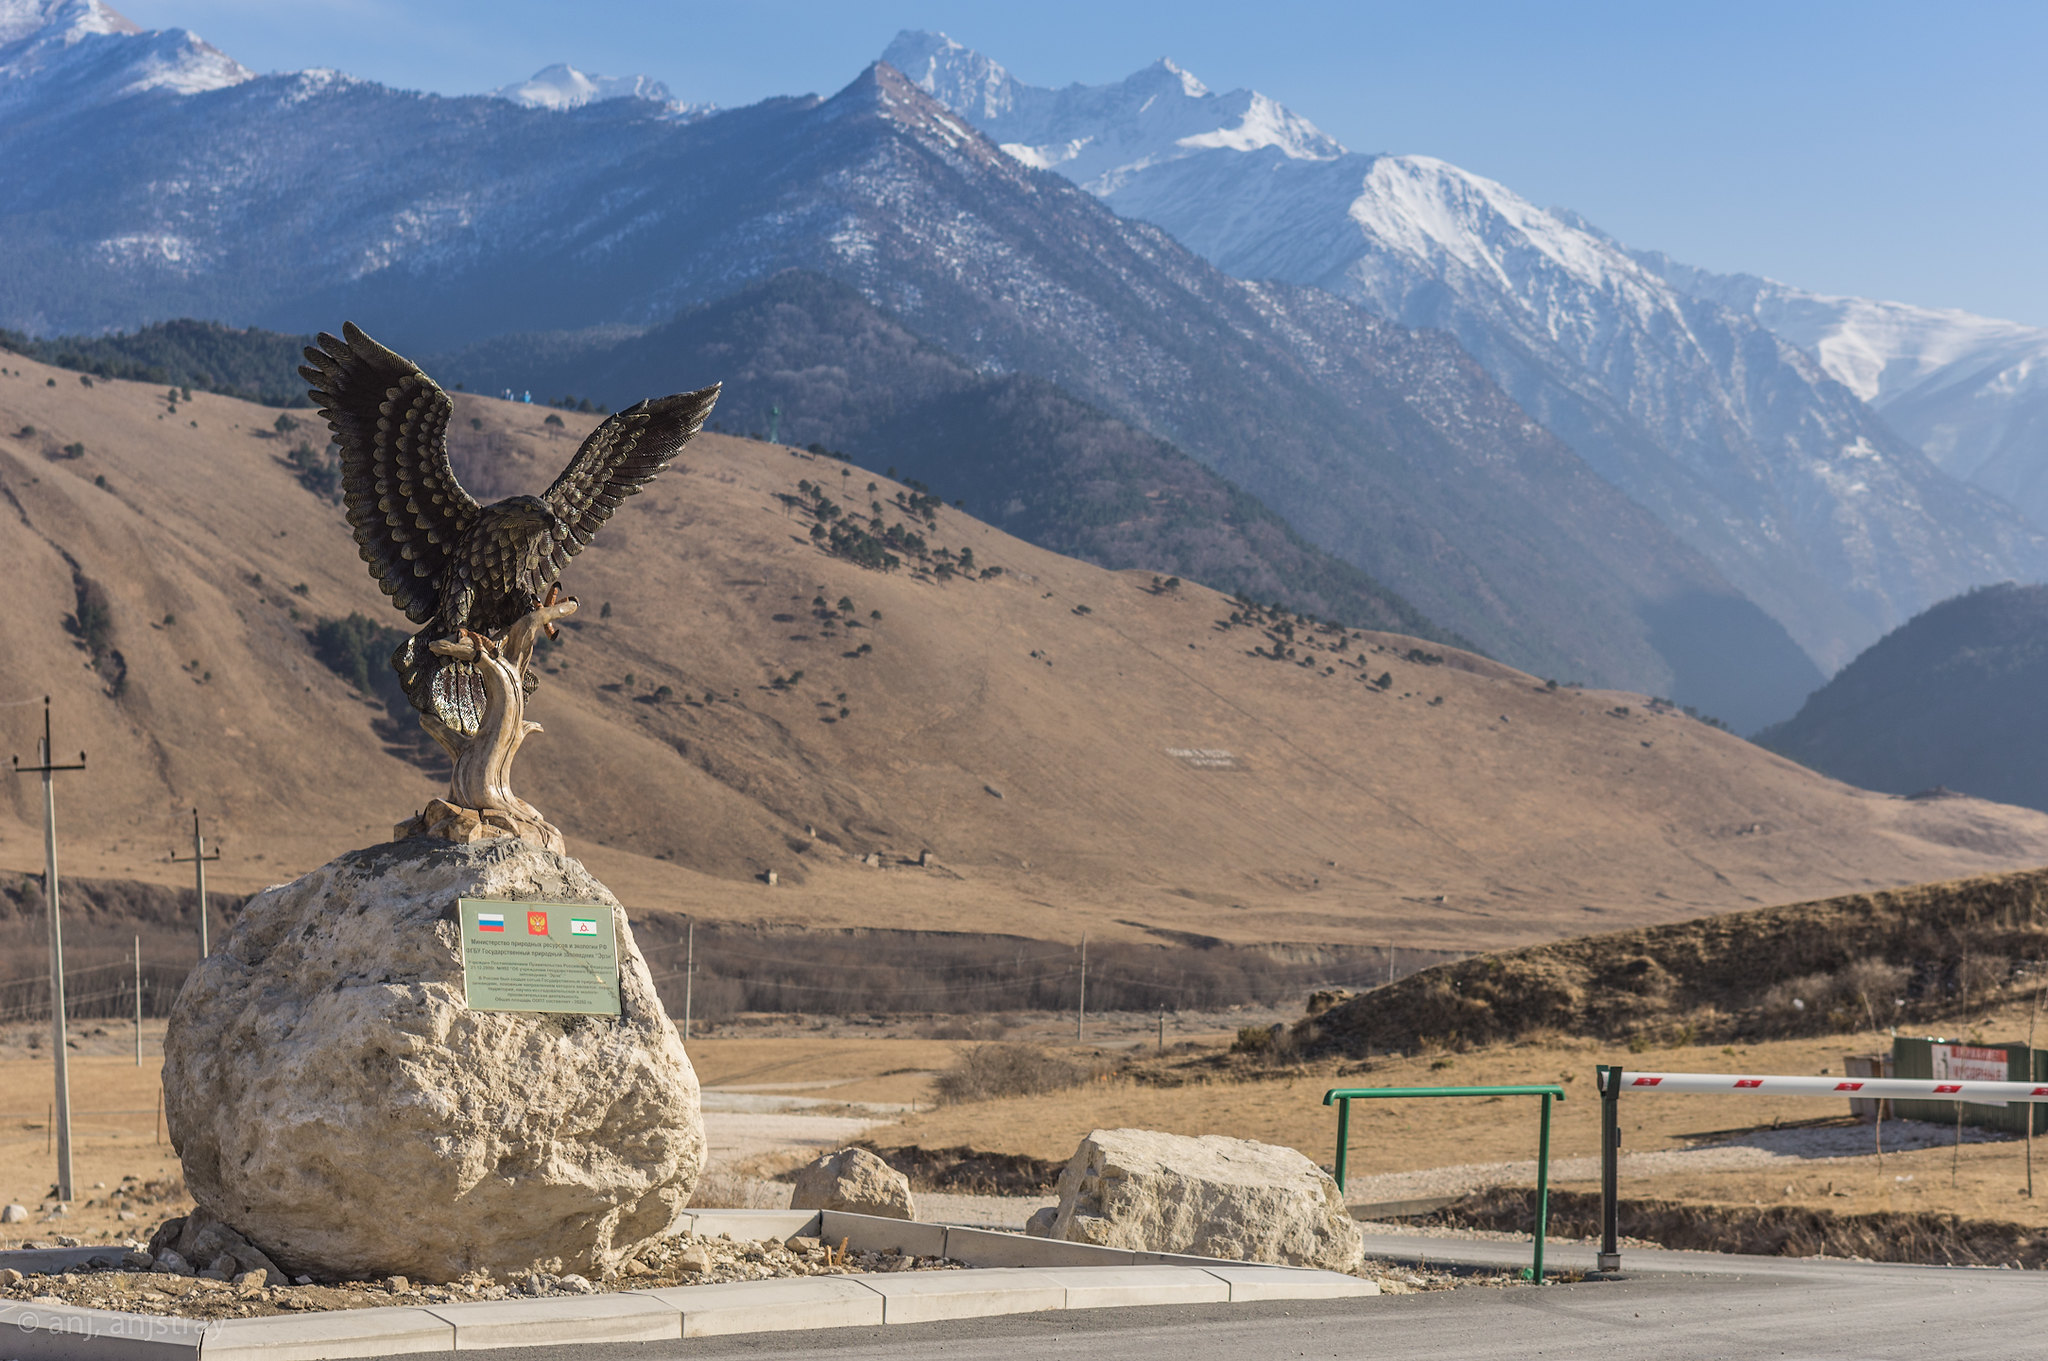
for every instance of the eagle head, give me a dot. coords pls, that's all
(529, 510)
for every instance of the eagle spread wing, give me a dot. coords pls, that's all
(444, 560)
(403, 501)
(620, 457)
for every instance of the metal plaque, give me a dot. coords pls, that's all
(559, 957)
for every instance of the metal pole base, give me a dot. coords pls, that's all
(1607, 1261)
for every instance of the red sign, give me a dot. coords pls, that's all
(536, 923)
(1968, 1063)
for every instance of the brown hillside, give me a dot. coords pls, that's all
(1926, 953)
(1036, 731)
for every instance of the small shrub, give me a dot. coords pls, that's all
(358, 650)
(1979, 978)
(1255, 1039)
(989, 1071)
(319, 473)
(1873, 986)
(1860, 995)
(93, 621)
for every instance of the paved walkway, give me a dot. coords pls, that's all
(1745, 1309)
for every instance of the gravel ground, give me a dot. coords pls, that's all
(133, 1285)
(1768, 1148)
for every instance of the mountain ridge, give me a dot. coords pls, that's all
(621, 215)
(1971, 391)
(1737, 439)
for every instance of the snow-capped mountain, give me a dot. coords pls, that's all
(59, 54)
(1971, 391)
(299, 199)
(562, 86)
(1098, 136)
(1733, 435)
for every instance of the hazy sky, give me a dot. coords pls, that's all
(1886, 149)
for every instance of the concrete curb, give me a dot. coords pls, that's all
(1495, 1255)
(1014, 1274)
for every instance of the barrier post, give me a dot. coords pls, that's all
(1343, 1137)
(1542, 1188)
(1608, 1078)
(1342, 1097)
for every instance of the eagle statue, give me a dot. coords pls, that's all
(454, 566)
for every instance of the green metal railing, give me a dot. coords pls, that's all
(1344, 1096)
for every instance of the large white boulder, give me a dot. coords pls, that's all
(853, 1180)
(1210, 1195)
(334, 1100)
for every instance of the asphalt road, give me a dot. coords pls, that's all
(1747, 1308)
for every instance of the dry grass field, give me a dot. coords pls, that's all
(120, 1160)
(1402, 1137)
(1080, 750)
(1486, 1142)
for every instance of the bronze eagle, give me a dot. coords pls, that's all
(446, 561)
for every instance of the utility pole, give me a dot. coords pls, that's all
(2033, 1075)
(774, 424)
(138, 1001)
(1081, 999)
(197, 860)
(689, 977)
(61, 1110)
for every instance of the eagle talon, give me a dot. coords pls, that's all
(554, 593)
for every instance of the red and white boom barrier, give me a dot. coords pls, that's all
(1887, 1088)
(1615, 1081)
